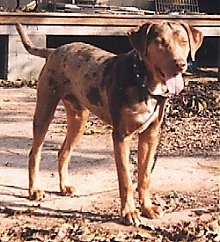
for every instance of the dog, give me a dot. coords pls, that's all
(128, 91)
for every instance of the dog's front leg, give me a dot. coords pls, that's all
(129, 214)
(147, 145)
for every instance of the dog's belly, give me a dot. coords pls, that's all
(92, 98)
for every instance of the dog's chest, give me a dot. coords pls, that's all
(139, 116)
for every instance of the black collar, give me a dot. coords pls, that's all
(139, 70)
(140, 75)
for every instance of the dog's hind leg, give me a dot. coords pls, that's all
(46, 105)
(77, 117)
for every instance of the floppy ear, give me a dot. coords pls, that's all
(138, 37)
(195, 39)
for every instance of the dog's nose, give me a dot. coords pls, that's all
(180, 64)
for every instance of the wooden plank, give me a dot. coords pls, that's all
(109, 24)
(85, 30)
(102, 19)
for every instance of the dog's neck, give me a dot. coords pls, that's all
(141, 74)
(139, 70)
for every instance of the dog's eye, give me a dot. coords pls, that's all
(160, 41)
(184, 41)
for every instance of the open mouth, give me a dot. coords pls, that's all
(174, 82)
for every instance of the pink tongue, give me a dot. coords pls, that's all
(175, 84)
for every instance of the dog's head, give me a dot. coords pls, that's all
(165, 47)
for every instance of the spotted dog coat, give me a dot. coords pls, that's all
(128, 91)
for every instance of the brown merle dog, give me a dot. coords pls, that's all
(128, 91)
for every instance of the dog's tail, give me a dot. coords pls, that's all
(29, 46)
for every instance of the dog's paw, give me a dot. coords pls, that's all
(152, 212)
(68, 190)
(131, 218)
(37, 194)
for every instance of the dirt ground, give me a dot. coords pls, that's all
(187, 187)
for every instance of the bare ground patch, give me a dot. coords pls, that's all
(185, 181)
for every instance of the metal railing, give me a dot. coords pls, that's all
(179, 6)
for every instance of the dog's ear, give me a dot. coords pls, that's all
(195, 39)
(138, 37)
